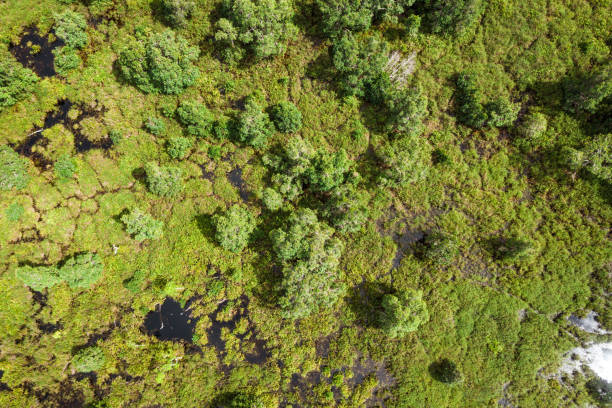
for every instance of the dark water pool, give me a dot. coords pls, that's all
(170, 321)
(36, 52)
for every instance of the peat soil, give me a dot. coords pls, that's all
(35, 52)
(235, 178)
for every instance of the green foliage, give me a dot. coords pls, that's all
(413, 24)
(38, 277)
(198, 120)
(445, 371)
(65, 167)
(328, 170)
(286, 117)
(347, 208)
(310, 257)
(13, 170)
(586, 93)
(16, 82)
(406, 109)
(14, 212)
(502, 113)
(70, 27)
(405, 160)
(164, 181)
(66, 59)
(141, 225)
(272, 199)
(439, 248)
(510, 248)
(178, 147)
(470, 111)
(155, 125)
(176, 12)
(533, 126)
(221, 129)
(234, 228)
(601, 390)
(135, 282)
(261, 28)
(452, 17)
(253, 126)
(159, 63)
(404, 313)
(595, 156)
(82, 270)
(89, 359)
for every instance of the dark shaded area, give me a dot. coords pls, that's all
(260, 354)
(3, 386)
(171, 322)
(208, 175)
(27, 149)
(235, 178)
(405, 241)
(365, 299)
(444, 371)
(48, 328)
(600, 390)
(40, 61)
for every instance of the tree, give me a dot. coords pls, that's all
(405, 160)
(176, 12)
(595, 156)
(439, 248)
(310, 257)
(272, 199)
(13, 170)
(15, 82)
(451, 17)
(406, 109)
(534, 124)
(178, 147)
(234, 228)
(38, 277)
(141, 225)
(253, 126)
(328, 170)
(346, 208)
(470, 111)
(164, 181)
(286, 117)
(159, 63)
(70, 27)
(261, 28)
(502, 113)
(586, 92)
(404, 313)
(196, 117)
(341, 15)
(89, 359)
(82, 270)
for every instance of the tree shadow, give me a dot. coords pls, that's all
(444, 371)
(365, 300)
(206, 225)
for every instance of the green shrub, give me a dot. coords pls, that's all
(328, 170)
(159, 63)
(164, 181)
(156, 126)
(198, 120)
(595, 157)
(347, 208)
(533, 126)
(261, 28)
(65, 167)
(16, 82)
(178, 147)
(70, 27)
(135, 282)
(141, 225)
(221, 128)
(286, 117)
(470, 111)
(310, 257)
(439, 248)
(38, 277)
(406, 109)
(234, 228)
(413, 24)
(586, 92)
(452, 17)
(404, 313)
(601, 390)
(502, 113)
(176, 12)
(404, 161)
(89, 359)
(13, 170)
(14, 212)
(245, 401)
(253, 126)
(214, 152)
(272, 199)
(81, 271)
(66, 59)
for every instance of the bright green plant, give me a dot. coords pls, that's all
(156, 126)
(141, 225)
(405, 160)
(82, 270)
(502, 113)
(286, 117)
(406, 108)
(70, 27)
(159, 63)
(13, 170)
(38, 277)
(178, 147)
(234, 228)
(14, 212)
(533, 126)
(89, 359)
(198, 120)
(346, 208)
(65, 167)
(403, 313)
(328, 170)
(253, 126)
(439, 248)
(452, 17)
(261, 28)
(16, 82)
(595, 156)
(66, 59)
(164, 181)
(272, 199)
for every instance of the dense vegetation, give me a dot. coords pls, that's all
(328, 203)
